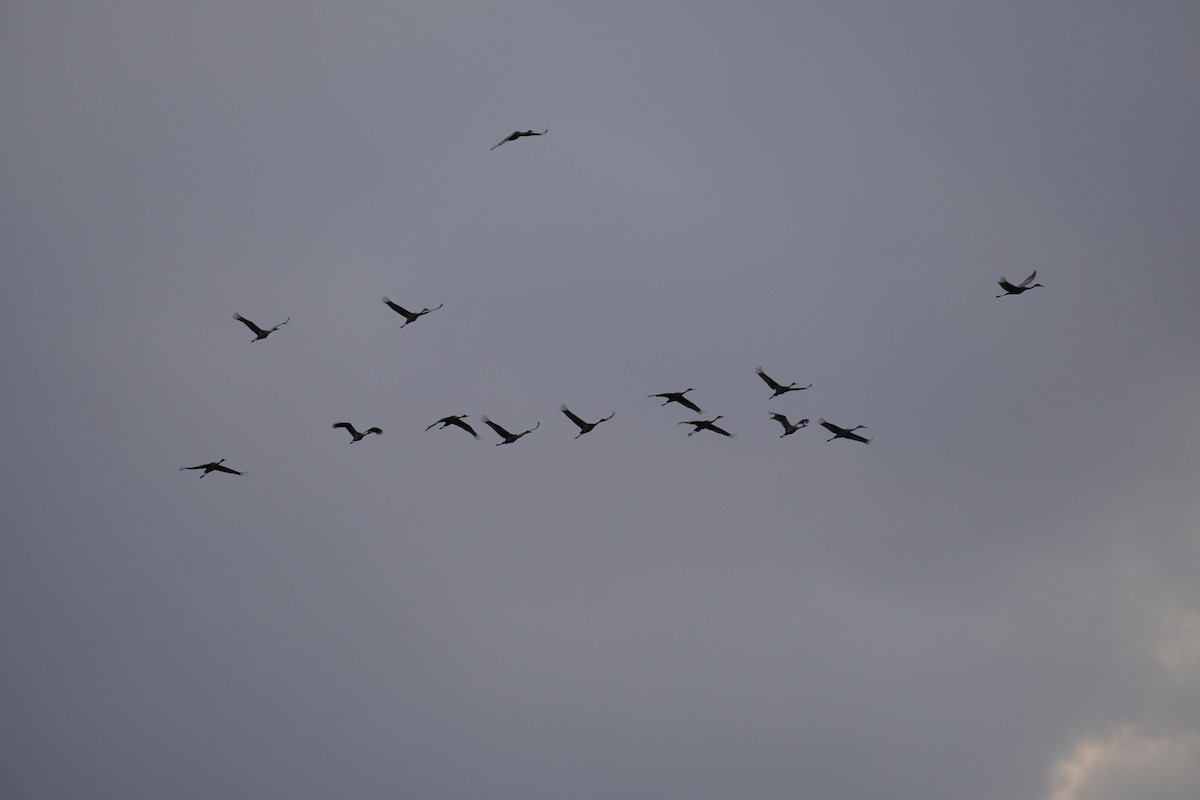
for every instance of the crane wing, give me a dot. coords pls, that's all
(683, 401)
(511, 137)
(829, 426)
(858, 438)
(374, 430)
(497, 428)
(401, 310)
(257, 330)
(347, 426)
(1028, 280)
(223, 468)
(465, 426)
(718, 429)
(571, 416)
(767, 379)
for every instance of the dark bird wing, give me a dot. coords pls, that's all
(498, 429)
(466, 427)
(829, 426)
(718, 429)
(198, 466)
(511, 137)
(257, 330)
(1028, 280)
(571, 416)
(1006, 286)
(401, 310)
(767, 379)
(347, 426)
(683, 401)
(857, 438)
(374, 430)
(223, 468)
(782, 420)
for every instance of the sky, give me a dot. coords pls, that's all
(995, 599)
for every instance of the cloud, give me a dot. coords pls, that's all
(1128, 763)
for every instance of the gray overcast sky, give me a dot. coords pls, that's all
(997, 599)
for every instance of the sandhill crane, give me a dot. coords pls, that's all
(455, 419)
(789, 428)
(213, 466)
(707, 425)
(409, 316)
(354, 433)
(512, 137)
(780, 389)
(678, 397)
(1023, 286)
(584, 427)
(509, 438)
(259, 333)
(843, 433)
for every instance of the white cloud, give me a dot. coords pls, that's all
(1129, 764)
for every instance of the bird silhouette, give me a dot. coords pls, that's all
(509, 438)
(1023, 286)
(779, 388)
(259, 333)
(707, 425)
(512, 137)
(678, 397)
(409, 316)
(789, 428)
(354, 433)
(455, 419)
(584, 427)
(213, 466)
(843, 433)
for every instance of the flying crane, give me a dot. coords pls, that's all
(259, 333)
(779, 388)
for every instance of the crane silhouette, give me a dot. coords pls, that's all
(512, 137)
(213, 466)
(455, 419)
(259, 333)
(706, 425)
(678, 397)
(584, 427)
(409, 316)
(843, 433)
(779, 388)
(509, 438)
(1023, 286)
(354, 433)
(789, 428)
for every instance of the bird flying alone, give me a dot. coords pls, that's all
(508, 438)
(213, 466)
(843, 433)
(789, 428)
(779, 388)
(409, 316)
(584, 427)
(707, 425)
(259, 333)
(678, 397)
(455, 419)
(1023, 286)
(512, 137)
(354, 433)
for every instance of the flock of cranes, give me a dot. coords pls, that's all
(507, 437)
